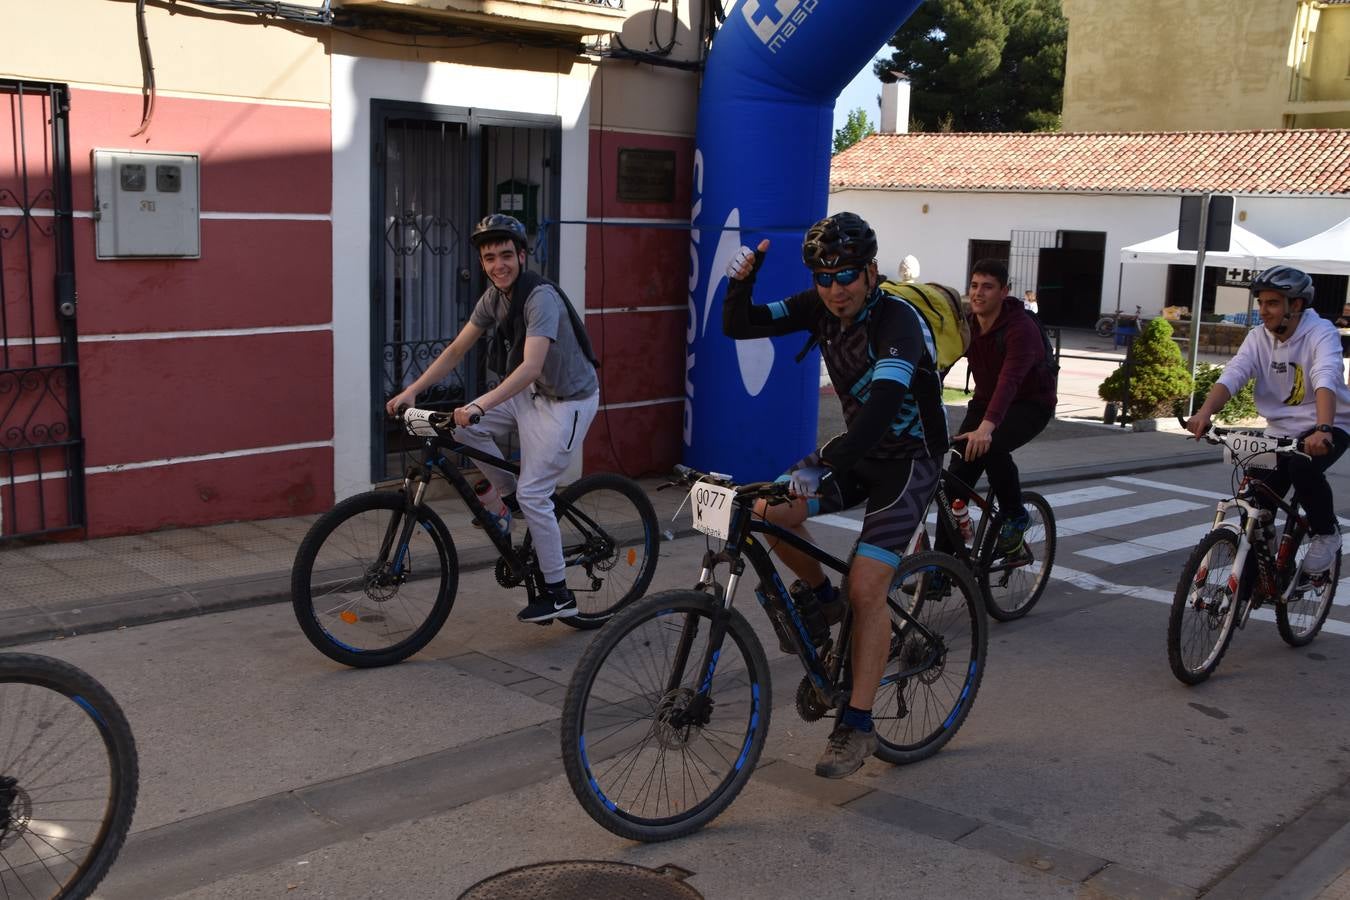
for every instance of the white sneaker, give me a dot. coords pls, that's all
(1321, 553)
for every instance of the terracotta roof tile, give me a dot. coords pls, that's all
(1294, 161)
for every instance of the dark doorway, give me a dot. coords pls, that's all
(1181, 287)
(1069, 279)
(438, 170)
(978, 250)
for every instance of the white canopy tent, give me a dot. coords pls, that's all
(1325, 253)
(1245, 251)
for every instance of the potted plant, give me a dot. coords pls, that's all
(1152, 378)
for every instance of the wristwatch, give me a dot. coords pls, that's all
(1326, 428)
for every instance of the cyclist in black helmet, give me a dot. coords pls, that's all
(548, 394)
(1295, 358)
(881, 360)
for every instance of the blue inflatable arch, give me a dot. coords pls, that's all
(761, 170)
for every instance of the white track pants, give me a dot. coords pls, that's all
(550, 432)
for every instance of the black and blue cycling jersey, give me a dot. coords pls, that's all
(881, 365)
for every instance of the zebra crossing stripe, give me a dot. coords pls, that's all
(1084, 495)
(1148, 545)
(1089, 582)
(1173, 488)
(1126, 515)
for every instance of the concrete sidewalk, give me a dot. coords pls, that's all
(61, 589)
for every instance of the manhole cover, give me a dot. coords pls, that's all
(584, 880)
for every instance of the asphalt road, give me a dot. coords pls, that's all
(1084, 769)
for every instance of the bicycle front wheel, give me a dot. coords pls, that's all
(1105, 327)
(1204, 608)
(361, 598)
(654, 746)
(1301, 617)
(610, 541)
(1015, 582)
(68, 778)
(936, 659)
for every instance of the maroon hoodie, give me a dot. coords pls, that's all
(1007, 362)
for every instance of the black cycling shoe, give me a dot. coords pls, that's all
(549, 605)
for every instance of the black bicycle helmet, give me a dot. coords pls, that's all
(499, 227)
(1293, 283)
(839, 240)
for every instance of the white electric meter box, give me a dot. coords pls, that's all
(146, 205)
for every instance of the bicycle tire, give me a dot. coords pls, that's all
(1105, 327)
(58, 719)
(343, 604)
(917, 715)
(1299, 621)
(617, 718)
(1022, 586)
(1212, 621)
(607, 578)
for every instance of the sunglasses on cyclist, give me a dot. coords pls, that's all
(843, 276)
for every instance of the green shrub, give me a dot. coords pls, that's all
(1158, 379)
(1241, 405)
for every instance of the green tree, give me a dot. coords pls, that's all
(1157, 376)
(854, 129)
(983, 65)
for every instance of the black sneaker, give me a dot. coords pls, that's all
(550, 605)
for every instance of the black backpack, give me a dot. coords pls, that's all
(1050, 366)
(507, 348)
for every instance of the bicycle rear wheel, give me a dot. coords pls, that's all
(68, 778)
(611, 540)
(362, 600)
(932, 673)
(1204, 609)
(1301, 617)
(647, 759)
(1014, 583)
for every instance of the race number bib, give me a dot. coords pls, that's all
(711, 508)
(1255, 451)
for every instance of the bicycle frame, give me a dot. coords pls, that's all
(436, 451)
(741, 545)
(1250, 515)
(978, 557)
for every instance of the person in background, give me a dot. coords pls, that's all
(909, 268)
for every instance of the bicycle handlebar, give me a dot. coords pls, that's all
(1215, 434)
(429, 423)
(686, 476)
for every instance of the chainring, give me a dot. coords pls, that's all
(810, 706)
(506, 576)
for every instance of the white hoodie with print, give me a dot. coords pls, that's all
(1288, 374)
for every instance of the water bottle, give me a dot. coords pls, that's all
(962, 515)
(492, 501)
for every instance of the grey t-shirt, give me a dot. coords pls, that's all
(567, 373)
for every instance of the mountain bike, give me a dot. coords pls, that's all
(68, 778)
(1239, 566)
(375, 577)
(667, 711)
(1009, 583)
(1107, 324)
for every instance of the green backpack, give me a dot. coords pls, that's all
(940, 307)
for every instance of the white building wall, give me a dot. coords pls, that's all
(355, 82)
(938, 226)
